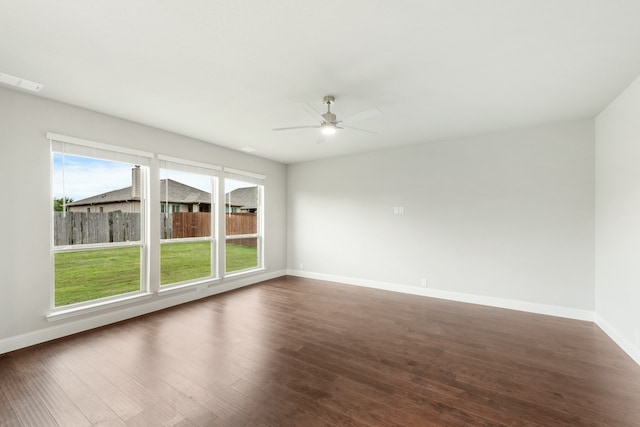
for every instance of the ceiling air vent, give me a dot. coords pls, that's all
(21, 83)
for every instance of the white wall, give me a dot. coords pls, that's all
(618, 220)
(25, 273)
(507, 216)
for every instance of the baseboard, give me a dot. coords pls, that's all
(96, 320)
(632, 350)
(550, 310)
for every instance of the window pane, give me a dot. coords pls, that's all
(95, 201)
(185, 204)
(184, 261)
(87, 275)
(242, 216)
(241, 207)
(241, 254)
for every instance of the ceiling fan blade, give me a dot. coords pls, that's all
(363, 115)
(312, 112)
(298, 127)
(360, 129)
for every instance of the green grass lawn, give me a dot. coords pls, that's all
(240, 257)
(88, 275)
(184, 261)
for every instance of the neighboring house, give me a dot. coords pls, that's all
(244, 200)
(178, 197)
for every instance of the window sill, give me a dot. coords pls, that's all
(244, 272)
(168, 289)
(65, 313)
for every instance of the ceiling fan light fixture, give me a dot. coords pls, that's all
(329, 123)
(328, 129)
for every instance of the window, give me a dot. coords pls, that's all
(243, 220)
(188, 223)
(101, 215)
(99, 210)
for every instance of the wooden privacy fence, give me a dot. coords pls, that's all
(242, 223)
(77, 228)
(198, 224)
(176, 225)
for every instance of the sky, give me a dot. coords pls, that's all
(85, 177)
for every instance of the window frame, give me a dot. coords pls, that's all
(78, 147)
(150, 242)
(213, 172)
(259, 181)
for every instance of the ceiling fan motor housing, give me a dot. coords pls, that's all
(329, 117)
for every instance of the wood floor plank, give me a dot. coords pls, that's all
(28, 408)
(8, 417)
(55, 400)
(32, 366)
(292, 352)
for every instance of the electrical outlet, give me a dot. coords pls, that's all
(301, 266)
(423, 282)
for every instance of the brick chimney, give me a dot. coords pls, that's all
(135, 182)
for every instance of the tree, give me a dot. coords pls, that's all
(59, 202)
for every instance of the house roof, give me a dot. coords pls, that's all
(177, 193)
(243, 197)
(115, 196)
(182, 193)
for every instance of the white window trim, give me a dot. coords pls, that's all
(240, 175)
(99, 145)
(188, 285)
(213, 171)
(93, 246)
(151, 162)
(259, 181)
(115, 300)
(73, 310)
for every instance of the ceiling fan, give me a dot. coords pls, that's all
(329, 123)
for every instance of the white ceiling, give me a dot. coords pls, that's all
(227, 72)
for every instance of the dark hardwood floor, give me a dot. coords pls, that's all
(299, 352)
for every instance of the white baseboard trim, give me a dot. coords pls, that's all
(108, 316)
(632, 350)
(550, 310)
